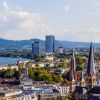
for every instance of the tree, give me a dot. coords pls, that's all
(68, 97)
(20, 66)
(9, 73)
(31, 72)
(37, 65)
(2, 72)
(17, 73)
(66, 82)
(40, 74)
(57, 78)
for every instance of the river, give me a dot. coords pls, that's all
(7, 60)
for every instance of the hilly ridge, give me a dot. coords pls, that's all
(26, 44)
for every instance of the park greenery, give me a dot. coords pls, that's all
(10, 73)
(40, 74)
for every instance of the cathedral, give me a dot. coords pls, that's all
(86, 88)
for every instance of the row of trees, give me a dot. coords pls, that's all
(16, 53)
(9, 73)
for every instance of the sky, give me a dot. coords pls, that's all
(70, 20)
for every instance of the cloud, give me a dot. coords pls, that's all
(5, 6)
(82, 34)
(66, 8)
(96, 2)
(95, 14)
(17, 23)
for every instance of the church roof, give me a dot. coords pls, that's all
(95, 90)
(94, 98)
(81, 90)
(90, 65)
(71, 77)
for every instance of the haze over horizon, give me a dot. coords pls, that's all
(68, 20)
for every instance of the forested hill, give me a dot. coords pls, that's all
(26, 44)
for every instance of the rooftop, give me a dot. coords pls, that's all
(95, 90)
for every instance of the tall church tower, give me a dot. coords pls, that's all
(72, 77)
(90, 73)
(73, 65)
(72, 82)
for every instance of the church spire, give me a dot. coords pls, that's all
(71, 78)
(73, 65)
(90, 73)
(72, 82)
(73, 62)
(90, 66)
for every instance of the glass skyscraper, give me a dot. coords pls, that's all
(36, 49)
(50, 44)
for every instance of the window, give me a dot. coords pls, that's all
(89, 80)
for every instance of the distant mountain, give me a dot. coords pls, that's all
(26, 44)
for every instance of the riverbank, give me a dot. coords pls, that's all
(9, 60)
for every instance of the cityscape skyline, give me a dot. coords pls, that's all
(67, 20)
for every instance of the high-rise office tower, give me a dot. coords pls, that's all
(36, 49)
(50, 44)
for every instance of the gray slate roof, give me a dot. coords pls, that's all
(91, 66)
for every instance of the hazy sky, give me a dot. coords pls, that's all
(74, 20)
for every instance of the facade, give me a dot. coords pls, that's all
(13, 66)
(25, 96)
(50, 44)
(63, 89)
(46, 93)
(36, 49)
(49, 57)
(82, 80)
(15, 94)
(80, 93)
(25, 80)
(61, 50)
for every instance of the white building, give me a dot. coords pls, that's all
(13, 66)
(49, 57)
(61, 50)
(63, 89)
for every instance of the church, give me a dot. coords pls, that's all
(86, 88)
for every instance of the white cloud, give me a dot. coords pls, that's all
(95, 14)
(96, 2)
(82, 34)
(5, 6)
(17, 23)
(66, 8)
